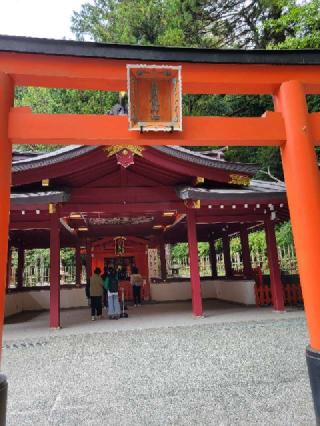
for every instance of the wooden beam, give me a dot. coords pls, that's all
(130, 194)
(65, 129)
(29, 225)
(231, 218)
(107, 74)
(123, 208)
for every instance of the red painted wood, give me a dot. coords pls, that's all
(94, 129)
(162, 250)
(88, 259)
(185, 168)
(226, 255)
(20, 268)
(6, 101)
(194, 264)
(9, 266)
(229, 217)
(55, 271)
(78, 264)
(129, 194)
(213, 258)
(111, 74)
(246, 258)
(275, 274)
(123, 208)
(29, 225)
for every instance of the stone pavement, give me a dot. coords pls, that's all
(212, 371)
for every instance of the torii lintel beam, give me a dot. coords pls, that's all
(66, 129)
(109, 74)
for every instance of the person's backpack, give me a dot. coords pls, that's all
(113, 283)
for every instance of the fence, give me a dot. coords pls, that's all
(39, 276)
(287, 262)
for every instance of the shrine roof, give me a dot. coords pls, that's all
(72, 151)
(157, 53)
(255, 189)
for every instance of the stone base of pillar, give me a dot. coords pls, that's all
(3, 399)
(313, 363)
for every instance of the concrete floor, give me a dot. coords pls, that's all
(236, 366)
(77, 321)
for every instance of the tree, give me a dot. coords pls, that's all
(299, 23)
(157, 22)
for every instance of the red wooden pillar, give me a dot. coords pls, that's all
(226, 255)
(303, 191)
(194, 264)
(54, 270)
(9, 267)
(20, 268)
(88, 259)
(246, 258)
(163, 263)
(213, 258)
(273, 260)
(6, 101)
(78, 265)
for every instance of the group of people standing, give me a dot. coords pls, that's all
(105, 288)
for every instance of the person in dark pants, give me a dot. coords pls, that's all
(96, 293)
(136, 282)
(105, 279)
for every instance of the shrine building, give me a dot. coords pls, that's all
(113, 204)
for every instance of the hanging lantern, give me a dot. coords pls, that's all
(119, 247)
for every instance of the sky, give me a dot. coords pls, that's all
(38, 18)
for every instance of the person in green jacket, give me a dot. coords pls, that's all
(96, 293)
(105, 279)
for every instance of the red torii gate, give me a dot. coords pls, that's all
(288, 76)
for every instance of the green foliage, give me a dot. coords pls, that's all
(257, 243)
(299, 22)
(180, 250)
(157, 22)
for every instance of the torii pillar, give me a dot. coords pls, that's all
(194, 264)
(6, 102)
(303, 191)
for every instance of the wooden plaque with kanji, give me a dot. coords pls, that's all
(154, 94)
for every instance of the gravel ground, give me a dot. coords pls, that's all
(249, 373)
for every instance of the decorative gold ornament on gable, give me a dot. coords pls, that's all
(115, 149)
(239, 180)
(154, 98)
(124, 153)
